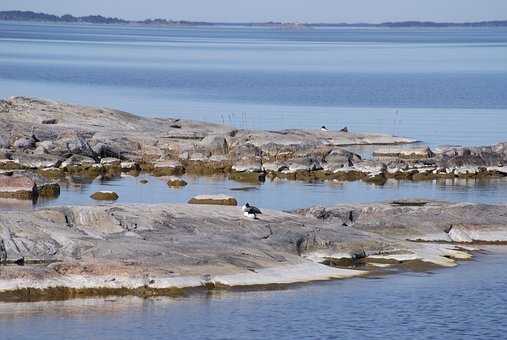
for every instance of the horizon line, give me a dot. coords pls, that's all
(69, 18)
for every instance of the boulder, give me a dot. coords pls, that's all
(248, 165)
(78, 161)
(368, 166)
(51, 172)
(49, 190)
(110, 162)
(339, 158)
(275, 167)
(215, 144)
(303, 164)
(24, 143)
(214, 200)
(176, 182)
(105, 196)
(9, 164)
(19, 187)
(129, 166)
(36, 161)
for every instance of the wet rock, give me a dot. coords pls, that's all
(176, 182)
(214, 200)
(167, 168)
(105, 196)
(18, 187)
(49, 190)
(9, 164)
(378, 178)
(248, 176)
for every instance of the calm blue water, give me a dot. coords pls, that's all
(442, 86)
(277, 195)
(467, 302)
(280, 194)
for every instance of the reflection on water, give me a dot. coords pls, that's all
(274, 194)
(404, 306)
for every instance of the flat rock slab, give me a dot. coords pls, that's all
(181, 245)
(214, 200)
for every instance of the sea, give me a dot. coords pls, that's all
(441, 86)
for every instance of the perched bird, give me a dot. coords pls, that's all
(345, 129)
(323, 128)
(250, 211)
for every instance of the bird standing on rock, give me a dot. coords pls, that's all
(323, 128)
(250, 211)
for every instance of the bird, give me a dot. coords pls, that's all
(345, 129)
(250, 211)
(323, 128)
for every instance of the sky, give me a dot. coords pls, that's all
(274, 10)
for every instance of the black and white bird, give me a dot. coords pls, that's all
(250, 211)
(323, 128)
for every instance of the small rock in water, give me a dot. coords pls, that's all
(176, 182)
(50, 190)
(105, 196)
(214, 200)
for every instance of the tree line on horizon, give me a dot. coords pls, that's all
(99, 19)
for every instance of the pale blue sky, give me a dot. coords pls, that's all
(277, 10)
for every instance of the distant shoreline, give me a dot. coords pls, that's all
(29, 16)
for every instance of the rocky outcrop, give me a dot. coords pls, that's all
(95, 141)
(177, 245)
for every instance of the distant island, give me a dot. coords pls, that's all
(99, 19)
